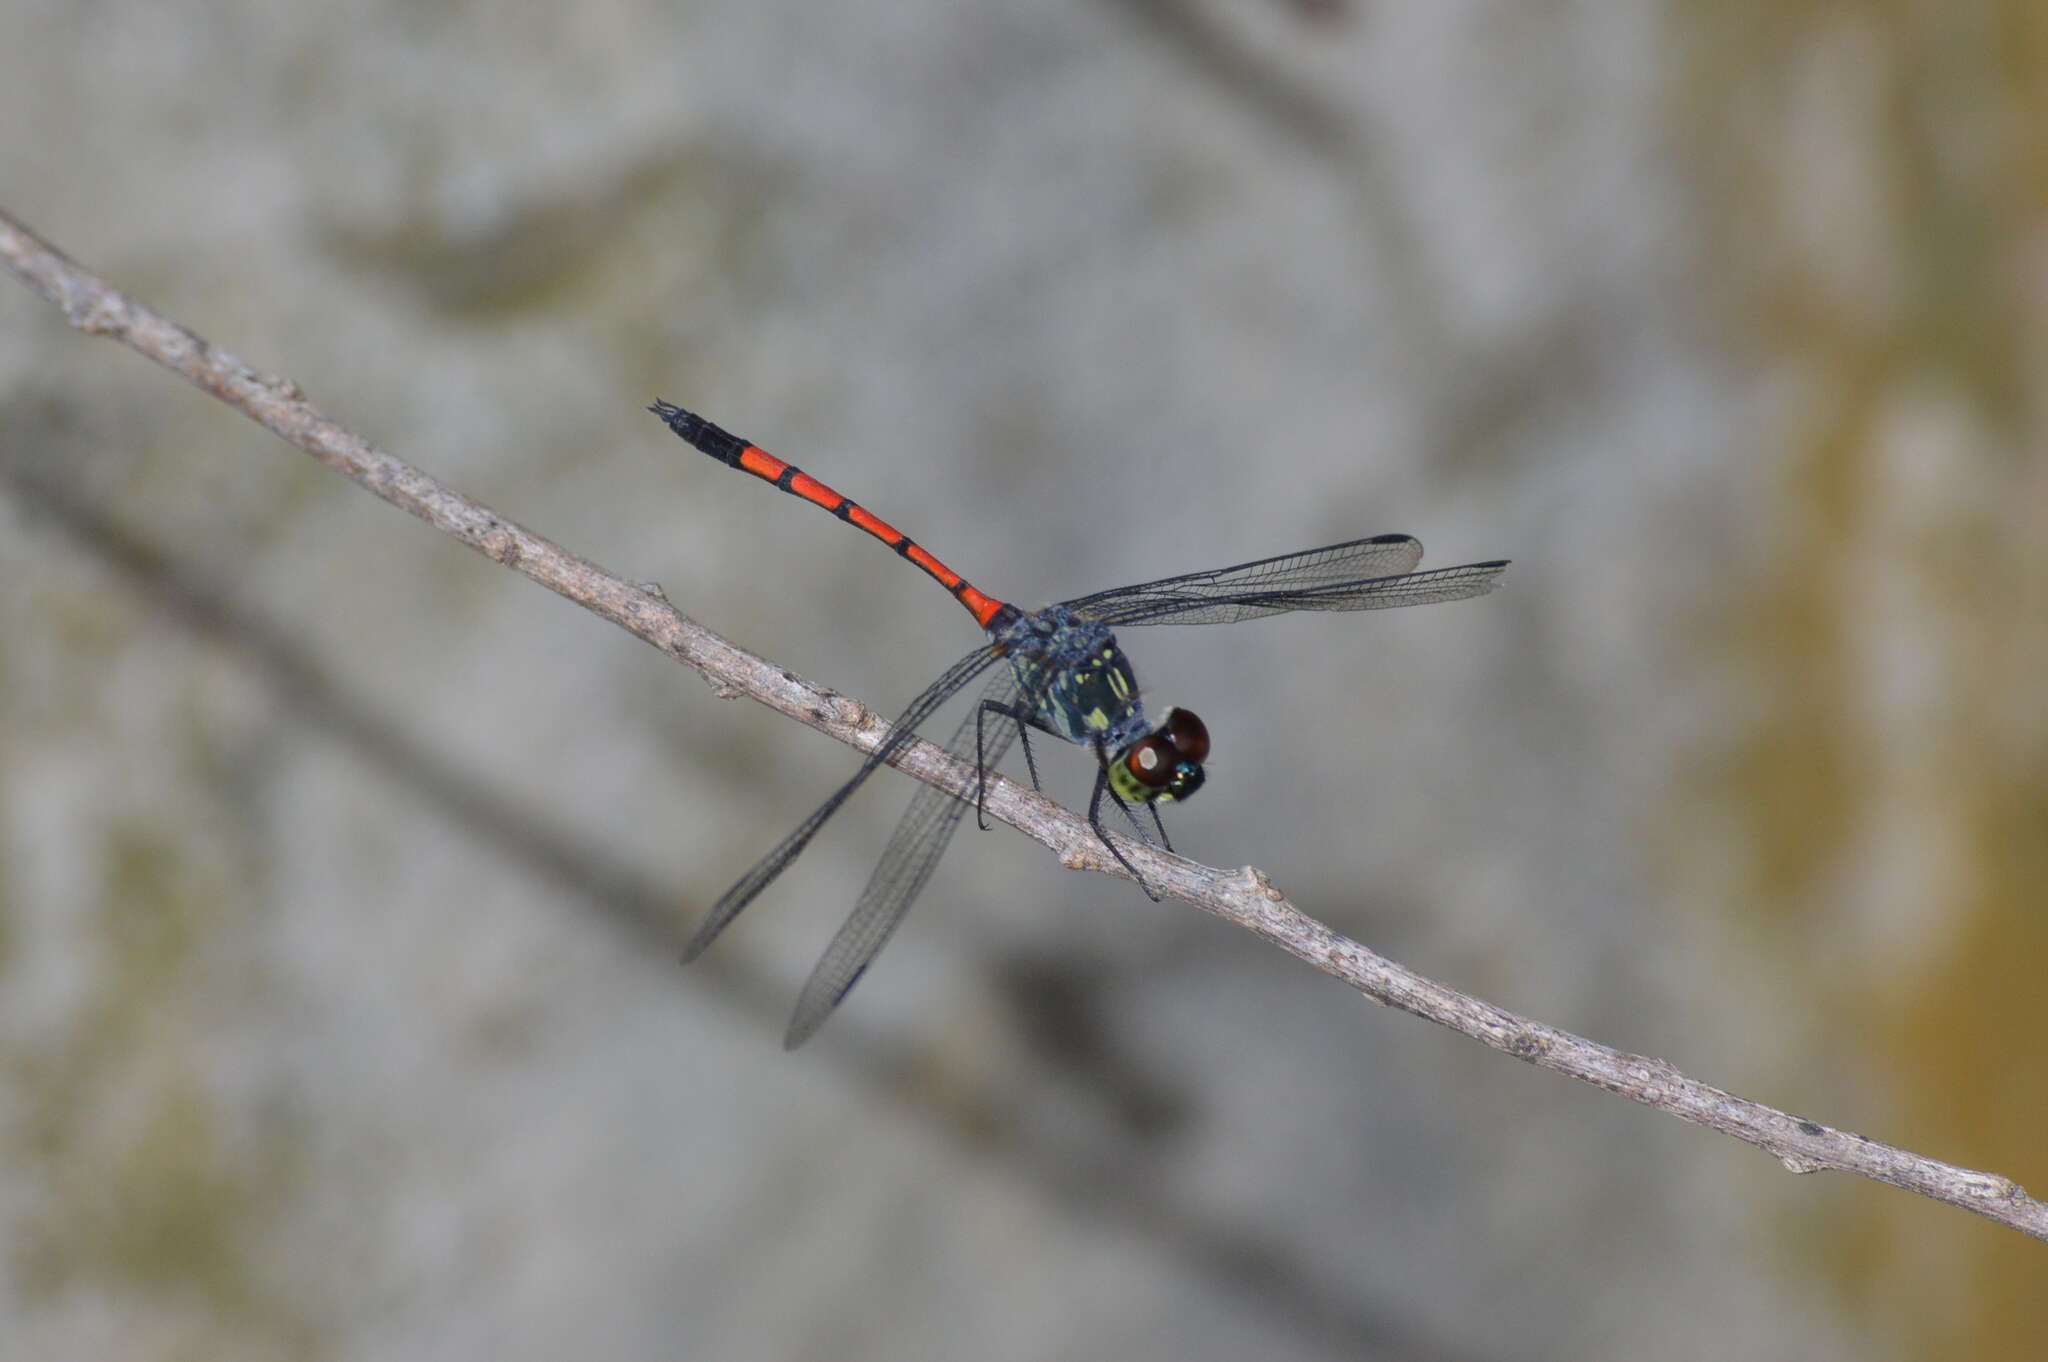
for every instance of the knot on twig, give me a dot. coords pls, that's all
(96, 311)
(1260, 883)
(1993, 1187)
(278, 389)
(1080, 855)
(500, 545)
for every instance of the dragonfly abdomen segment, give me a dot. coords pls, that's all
(735, 452)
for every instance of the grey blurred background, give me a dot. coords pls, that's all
(341, 871)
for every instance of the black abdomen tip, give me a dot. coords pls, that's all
(700, 433)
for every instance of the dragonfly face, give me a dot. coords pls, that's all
(1165, 764)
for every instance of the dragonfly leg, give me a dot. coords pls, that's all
(1026, 721)
(1030, 762)
(1160, 823)
(1130, 817)
(981, 764)
(1095, 818)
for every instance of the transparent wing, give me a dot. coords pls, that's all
(1364, 574)
(913, 853)
(1378, 593)
(1383, 555)
(775, 862)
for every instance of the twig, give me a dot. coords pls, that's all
(1245, 897)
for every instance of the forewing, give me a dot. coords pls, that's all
(1364, 574)
(775, 862)
(913, 853)
(1383, 555)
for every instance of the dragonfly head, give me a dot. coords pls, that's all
(1165, 764)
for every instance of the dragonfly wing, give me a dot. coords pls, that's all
(1383, 555)
(1373, 593)
(775, 862)
(913, 853)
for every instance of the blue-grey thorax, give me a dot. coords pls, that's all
(1075, 676)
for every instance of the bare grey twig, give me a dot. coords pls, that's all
(1245, 897)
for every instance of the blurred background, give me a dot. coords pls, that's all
(342, 872)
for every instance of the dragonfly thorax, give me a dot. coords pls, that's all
(1075, 677)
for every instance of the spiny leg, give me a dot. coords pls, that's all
(1160, 823)
(1132, 818)
(1102, 759)
(1024, 718)
(1095, 819)
(981, 763)
(1030, 762)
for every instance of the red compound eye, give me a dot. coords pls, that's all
(1150, 762)
(1190, 736)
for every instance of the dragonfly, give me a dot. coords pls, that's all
(1066, 677)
